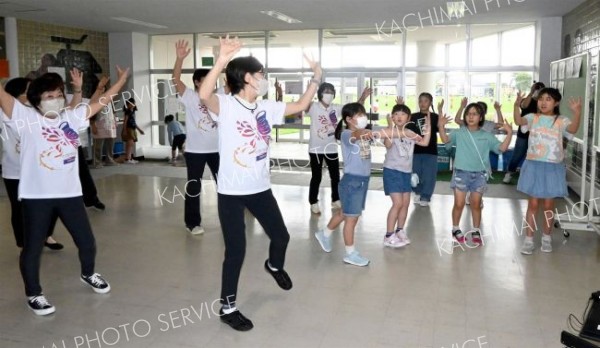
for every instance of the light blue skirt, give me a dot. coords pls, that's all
(543, 179)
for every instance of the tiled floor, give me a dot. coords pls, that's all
(165, 281)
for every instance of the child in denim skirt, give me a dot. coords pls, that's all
(471, 166)
(356, 153)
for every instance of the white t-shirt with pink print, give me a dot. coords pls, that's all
(323, 122)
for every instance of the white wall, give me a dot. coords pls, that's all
(12, 46)
(548, 45)
(132, 50)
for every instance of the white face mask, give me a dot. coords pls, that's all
(327, 98)
(263, 87)
(52, 107)
(361, 122)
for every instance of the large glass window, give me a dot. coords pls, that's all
(287, 48)
(360, 48)
(208, 47)
(518, 46)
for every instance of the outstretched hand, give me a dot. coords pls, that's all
(507, 127)
(314, 66)
(229, 47)
(497, 106)
(76, 79)
(182, 49)
(463, 103)
(440, 106)
(399, 100)
(519, 98)
(122, 73)
(443, 121)
(575, 105)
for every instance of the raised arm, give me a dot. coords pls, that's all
(575, 106)
(521, 121)
(227, 49)
(182, 51)
(463, 105)
(365, 94)
(500, 120)
(106, 98)
(7, 102)
(442, 128)
(304, 102)
(99, 89)
(506, 143)
(77, 82)
(278, 91)
(440, 107)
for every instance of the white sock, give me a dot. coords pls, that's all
(546, 237)
(350, 249)
(528, 239)
(455, 228)
(229, 310)
(327, 232)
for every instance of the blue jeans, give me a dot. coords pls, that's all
(425, 166)
(519, 154)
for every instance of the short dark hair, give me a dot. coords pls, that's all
(17, 86)
(199, 74)
(169, 118)
(322, 88)
(479, 110)
(46, 83)
(401, 108)
(237, 69)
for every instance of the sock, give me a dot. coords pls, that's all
(271, 267)
(399, 229)
(349, 249)
(388, 234)
(228, 310)
(547, 237)
(327, 232)
(529, 239)
(455, 228)
(476, 230)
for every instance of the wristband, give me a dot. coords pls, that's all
(79, 91)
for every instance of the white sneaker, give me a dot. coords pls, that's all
(417, 199)
(402, 236)
(507, 178)
(314, 208)
(196, 230)
(131, 161)
(393, 241)
(546, 244)
(336, 205)
(527, 247)
(424, 203)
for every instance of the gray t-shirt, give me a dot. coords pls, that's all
(400, 155)
(351, 153)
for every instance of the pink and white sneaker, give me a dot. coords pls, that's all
(476, 238)
(458, 236)
(402, 236)
(393, 241)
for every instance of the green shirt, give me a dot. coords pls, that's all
(468, 156)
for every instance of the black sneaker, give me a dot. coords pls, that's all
(54, 246)
(98, 206)
(98, 284)
(40, 306)
(236, 320)
(281, 277)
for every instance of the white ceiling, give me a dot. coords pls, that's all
(202, 16)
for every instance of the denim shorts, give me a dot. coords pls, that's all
(353, 194)
(469, 181)
(395, 181)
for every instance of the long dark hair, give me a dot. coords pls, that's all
(428, 96)
(349, 110)
(554, 94)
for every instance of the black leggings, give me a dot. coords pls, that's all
(16, 211)
(231, 214)
(88, 188)
(196, 162)
(38, 214)
(316, 167)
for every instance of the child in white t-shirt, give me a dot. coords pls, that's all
(244, 125)
(49, 183)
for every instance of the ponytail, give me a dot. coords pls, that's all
(338, 130)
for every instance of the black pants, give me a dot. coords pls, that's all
(88, 188)
(231, 215)
(195, 163)
(316, 167)
(178, 142)
(16, 211)
(38, 214)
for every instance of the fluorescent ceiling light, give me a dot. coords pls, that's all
(281, 17)
(456, 9)
(138, 22)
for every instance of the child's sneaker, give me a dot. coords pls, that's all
(402, 235)
(40, 306)
(528, 246)
(546, 244)
(324, 241)
(507, 178)
(98, 284)
(393, 241)
(476, 238)
(417, 199)
(354, 258)
(458, 236)
(336, 205)
(314, 208)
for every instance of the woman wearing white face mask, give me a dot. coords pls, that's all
(322, 146)
(49, 185)
(244, 125)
